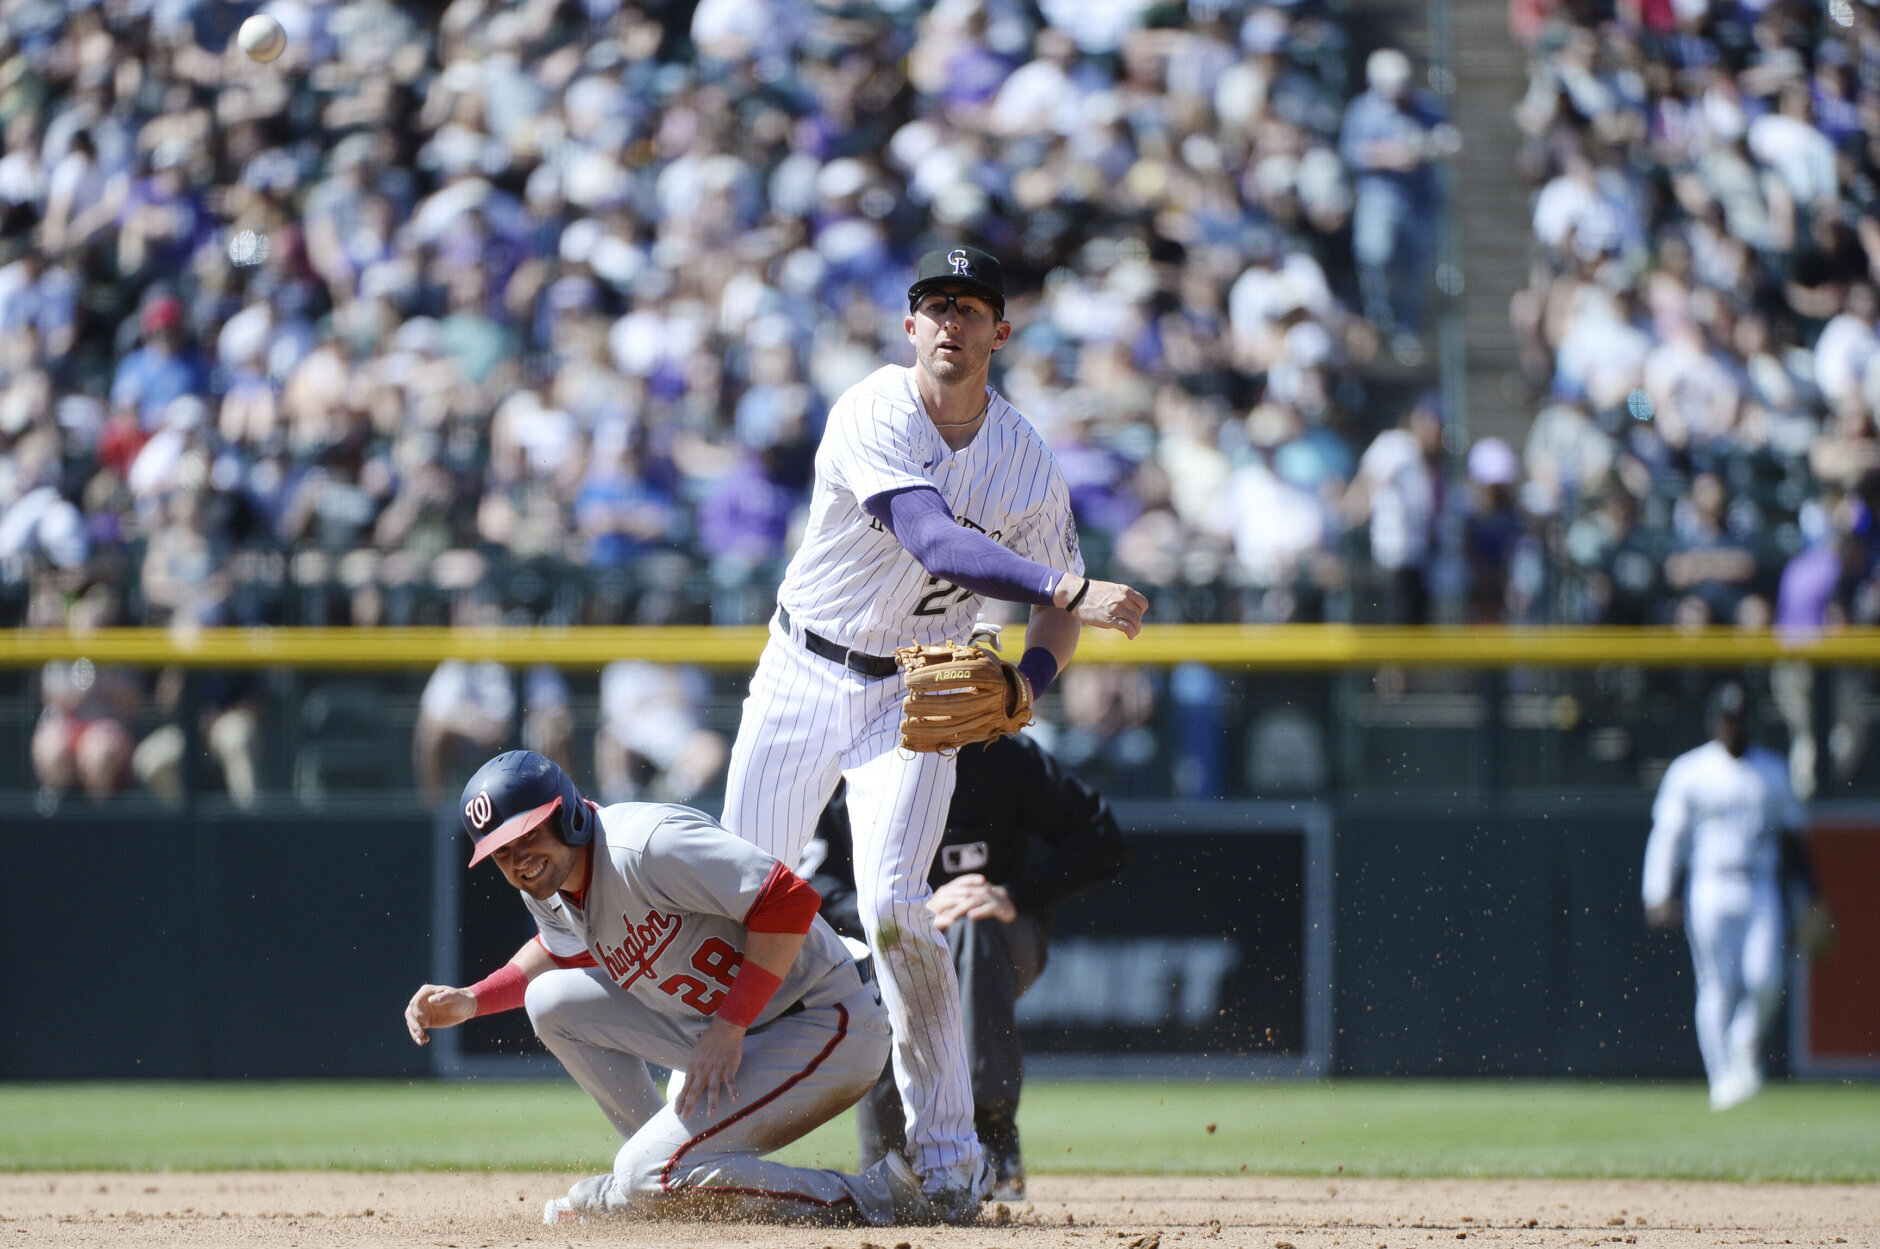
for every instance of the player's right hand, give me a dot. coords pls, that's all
(971, 896)
(1112, 605)
(1668, 914)
(437, 1006)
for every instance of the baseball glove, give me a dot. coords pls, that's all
(958, 694)
(1814, 929)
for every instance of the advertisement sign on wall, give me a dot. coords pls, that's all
(1211, 950)
(1836, 1017)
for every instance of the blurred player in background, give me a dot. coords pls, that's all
(1724, 824)
(993, 901)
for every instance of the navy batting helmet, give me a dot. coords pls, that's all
(515, 793)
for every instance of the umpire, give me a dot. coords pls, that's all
(993, 900)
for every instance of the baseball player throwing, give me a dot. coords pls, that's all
(931, 493)
(663, 938)
(1715, 823)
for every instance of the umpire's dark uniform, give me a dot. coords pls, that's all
(1008, 790)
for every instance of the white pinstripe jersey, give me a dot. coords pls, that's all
(851, 580)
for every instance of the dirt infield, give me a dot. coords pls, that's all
(484, 1211)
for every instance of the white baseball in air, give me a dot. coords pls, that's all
(262, 38)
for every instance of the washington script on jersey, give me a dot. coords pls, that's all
(641, 947)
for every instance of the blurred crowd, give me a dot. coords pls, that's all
(531, 312)
(1702, 312)
(541, 304)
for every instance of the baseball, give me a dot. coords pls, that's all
(262, 38)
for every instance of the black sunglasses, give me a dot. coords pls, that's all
(917, 304)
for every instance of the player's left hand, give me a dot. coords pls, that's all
(971, 896)
(713, 1065)
(1814, 929)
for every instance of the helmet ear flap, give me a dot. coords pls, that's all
(577, 818)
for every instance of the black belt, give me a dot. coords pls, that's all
(855, 661)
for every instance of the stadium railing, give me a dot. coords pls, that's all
(1255, 647)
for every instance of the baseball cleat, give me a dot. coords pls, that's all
(587, 1197)
(1008, 1169)
(1735, 1089)
(1011, 1188)
(910, 1205)
(958, 1204)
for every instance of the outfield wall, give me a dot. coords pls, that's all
(218, 945)
(1454, 889)
(142, 943)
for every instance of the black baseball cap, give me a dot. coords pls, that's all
(977, 271)
(1729, 699)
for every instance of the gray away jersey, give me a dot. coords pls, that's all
(851, 580)
(667, 894)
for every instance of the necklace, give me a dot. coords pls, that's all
(963, 424)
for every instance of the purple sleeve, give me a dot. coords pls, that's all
(919, 518)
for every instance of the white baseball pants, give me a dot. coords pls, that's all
(807, 722)
(1735, 927)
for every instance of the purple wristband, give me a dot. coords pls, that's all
(1040, 667)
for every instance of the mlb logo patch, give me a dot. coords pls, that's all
(970, 856)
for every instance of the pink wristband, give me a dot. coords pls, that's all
(501, 990)
(750, 993)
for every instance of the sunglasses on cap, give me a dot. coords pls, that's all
(937, 304)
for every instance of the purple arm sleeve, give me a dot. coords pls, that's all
(919, 518)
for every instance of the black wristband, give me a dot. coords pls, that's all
(1079, 596)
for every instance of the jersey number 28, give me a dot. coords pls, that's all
(716, 959)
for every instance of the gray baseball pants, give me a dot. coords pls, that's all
(798, 1071)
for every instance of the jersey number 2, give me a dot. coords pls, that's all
(716, 959)
(934, 602)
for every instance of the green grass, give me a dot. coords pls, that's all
(1808, 1132)
(1456, 1128)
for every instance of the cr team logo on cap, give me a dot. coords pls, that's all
(480, 809)
(964, 266)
